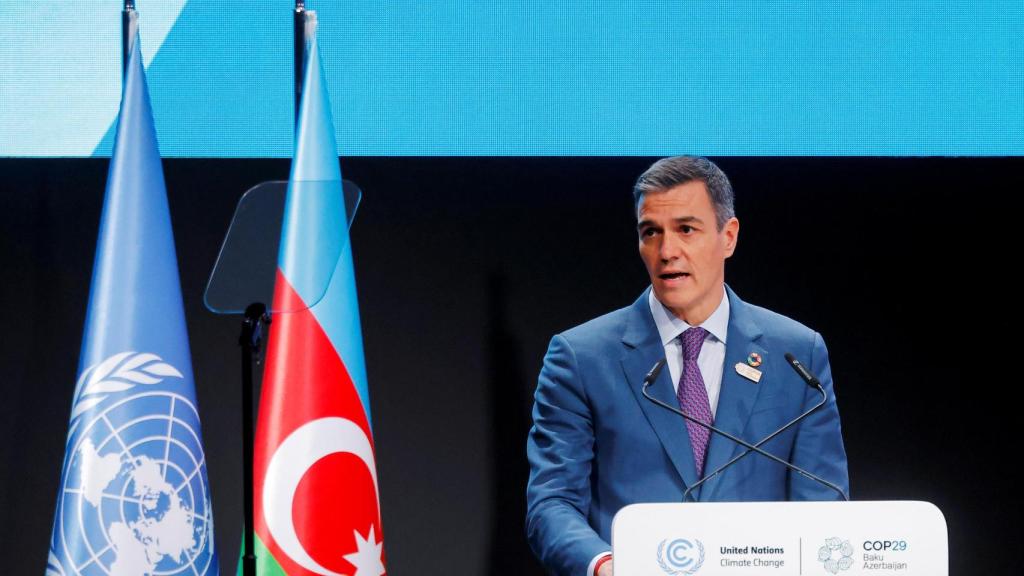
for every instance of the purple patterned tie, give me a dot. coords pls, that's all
(693, 396)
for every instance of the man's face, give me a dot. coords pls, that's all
(684, 250)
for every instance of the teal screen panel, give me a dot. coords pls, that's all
(470, 78)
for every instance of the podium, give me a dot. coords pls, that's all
(905, 538)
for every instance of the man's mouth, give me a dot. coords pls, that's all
(673, 275)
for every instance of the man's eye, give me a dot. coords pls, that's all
(648, 232)
(686, 229)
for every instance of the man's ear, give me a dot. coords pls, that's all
(731, 230)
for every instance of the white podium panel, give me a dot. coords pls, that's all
(900, 538)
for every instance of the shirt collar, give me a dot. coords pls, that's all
(671, 326)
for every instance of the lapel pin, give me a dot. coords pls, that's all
(748, 372)
(754, 359)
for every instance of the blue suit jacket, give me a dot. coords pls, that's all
(597, 444)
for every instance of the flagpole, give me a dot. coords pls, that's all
(299, 47)
(129, 23)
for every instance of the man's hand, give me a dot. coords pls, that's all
(605, 569)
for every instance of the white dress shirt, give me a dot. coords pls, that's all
(712, 354)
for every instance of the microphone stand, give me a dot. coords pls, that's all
(810, 380)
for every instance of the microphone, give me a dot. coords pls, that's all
(652, 374)
(804, 374)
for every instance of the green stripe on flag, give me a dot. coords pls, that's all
(266, 564)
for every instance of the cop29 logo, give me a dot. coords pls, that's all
(680, 556)
(836, 555)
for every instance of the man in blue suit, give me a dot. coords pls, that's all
(597, 444)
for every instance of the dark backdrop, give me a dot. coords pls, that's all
(467, 266)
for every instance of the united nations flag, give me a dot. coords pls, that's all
(134, 497)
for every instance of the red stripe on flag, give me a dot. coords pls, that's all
(306, 380)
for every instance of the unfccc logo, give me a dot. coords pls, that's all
(680, 556)
(836, 555)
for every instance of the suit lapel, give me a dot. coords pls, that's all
(643, 350)
(738, 394)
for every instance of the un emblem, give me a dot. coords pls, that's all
(680, 556)
(134, 499)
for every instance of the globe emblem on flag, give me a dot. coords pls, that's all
(134, 498)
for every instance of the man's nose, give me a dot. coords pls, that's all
(671, 248)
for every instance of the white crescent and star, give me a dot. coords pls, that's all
(290, 462)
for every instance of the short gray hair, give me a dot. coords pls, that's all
(668, 173)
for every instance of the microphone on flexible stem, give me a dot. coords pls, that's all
(652, 375)
(803, 372)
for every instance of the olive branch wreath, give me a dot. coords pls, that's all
(118, 373)
(661, 560)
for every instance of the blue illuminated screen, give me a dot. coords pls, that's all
(553, 77)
